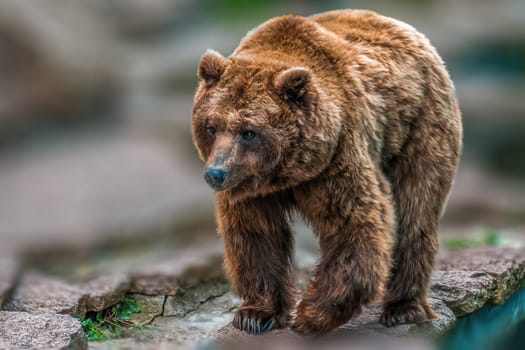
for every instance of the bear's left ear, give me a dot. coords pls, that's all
(211, 67)
(293, 84)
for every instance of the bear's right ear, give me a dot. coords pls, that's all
(211, 67)
(294, 85)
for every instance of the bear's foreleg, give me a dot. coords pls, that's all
(258, 259)
(353, 217)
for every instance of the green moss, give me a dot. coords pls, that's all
(110, 322)
(489, 238)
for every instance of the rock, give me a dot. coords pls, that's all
(130, 343)
(39, 293)
(463, 281)
(369, 320)
(153, 191)
(22, 330)
(150, 307)
(364, 325)
(56, 62)
(468, 279)
(8, 275)
(102, 292)
(190, 299)
(286, 339)
(180, 333)
(188, 268)
(200, 324)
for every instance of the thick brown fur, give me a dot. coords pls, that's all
(357, 128)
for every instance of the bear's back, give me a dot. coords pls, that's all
(368, 27)
(337, 31)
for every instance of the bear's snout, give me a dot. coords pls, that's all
(215, 177)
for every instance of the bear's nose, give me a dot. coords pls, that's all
(215, 177)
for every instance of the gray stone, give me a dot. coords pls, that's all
(154, 189)
(369, 320)
(197, 325)
(203, 312)
(150, 307)
(22, 330)
(463, 282)
(131, 343)
(187, 268)
(364, 325)
(68, 59)
(468, 279)
(102, 292)
(39, 293)
(189, 299)
(8, 275)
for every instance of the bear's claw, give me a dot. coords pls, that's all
(253, 322)
(409, 312)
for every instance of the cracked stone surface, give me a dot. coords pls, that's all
(468, 279)
(185, 269)
(364, 324)
(190, 299)
(150, 307)
(8, 275)
(40, 293)
(23, 330)
(193, 303)
(176, 332)
(463, 282)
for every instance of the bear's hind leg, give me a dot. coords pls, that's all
(421, 179)
(258, 259)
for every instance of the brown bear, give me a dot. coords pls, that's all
(349, 119)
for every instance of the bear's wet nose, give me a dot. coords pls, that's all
(215, 177)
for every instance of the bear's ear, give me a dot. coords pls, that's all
(211, 66)
(293, 84)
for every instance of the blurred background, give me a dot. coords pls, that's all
(95, 107)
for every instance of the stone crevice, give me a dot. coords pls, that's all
(203, 302)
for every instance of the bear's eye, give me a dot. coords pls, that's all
(248, 135)
(210, 130)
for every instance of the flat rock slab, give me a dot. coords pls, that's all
(464, 281)
(150, 307)
(22, 330)
(8, 275)
(365, 325)
(185, 269)
(106, 186)
(468, 279)
(38, 293)
(188, 300)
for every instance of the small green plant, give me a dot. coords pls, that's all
(490, 238)
(112, 321)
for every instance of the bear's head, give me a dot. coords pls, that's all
(261, 125)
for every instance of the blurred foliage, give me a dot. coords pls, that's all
(499, 144)
(490, 239)
(495, 57)
(102, 325)
(235, 12)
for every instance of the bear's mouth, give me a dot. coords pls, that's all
(242, 188)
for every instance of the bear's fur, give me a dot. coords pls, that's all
(350, 119)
